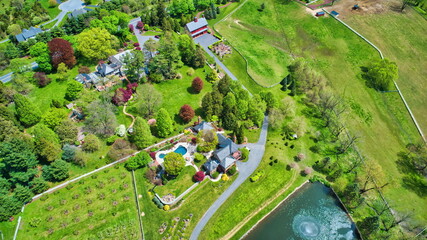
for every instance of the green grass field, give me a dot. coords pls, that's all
(258, 35)
(101, 206)
(179, 184)
(339, 54)
(401, 37)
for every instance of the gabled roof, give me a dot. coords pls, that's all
(211, 165)
(227, 162)
(201, 22)
(28, 33)
(205, 126)
(226, 150)
(77, 12)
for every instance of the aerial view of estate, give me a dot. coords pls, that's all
(213, 119)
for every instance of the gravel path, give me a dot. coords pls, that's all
(245, 170)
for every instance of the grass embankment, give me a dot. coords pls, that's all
(246, 30)
(338, 53)
(179, 184)
(401, 37)
(100, 206)
(195, 204)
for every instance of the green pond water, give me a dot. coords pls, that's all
(312, 212)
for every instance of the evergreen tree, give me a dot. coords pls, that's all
(28, 113)
(141, 135)
(228, 117)
(224, 85)
(239, 133)
(22, 194)
(38, 185)
(57, 171)
(164, 123)
(68, 153)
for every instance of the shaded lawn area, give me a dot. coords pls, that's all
(401, 37)
(178, 92)
(179, 184)
(42, 97)
(195, 203)
(98, 206)
(338, 53)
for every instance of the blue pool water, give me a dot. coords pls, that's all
(181, 150)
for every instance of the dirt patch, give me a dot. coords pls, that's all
(345, 8)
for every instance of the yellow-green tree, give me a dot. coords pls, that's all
(96, 43)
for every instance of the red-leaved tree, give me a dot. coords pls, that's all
(140, 25)
(186, 113)
(197, 84)
(131, 28)
(199, 176)
(132, 86)
(61, 51)
(41, 79)
(136, 44)
(121, 96)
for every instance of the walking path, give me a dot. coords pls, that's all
(245, 170)
(128, 114)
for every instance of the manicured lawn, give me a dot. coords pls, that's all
(99, 206)
(401, 37)
(252, 135)
(195, 203)
(42, 97)
(178, 92)
(339, 54)
(53, 12)
(179, 184)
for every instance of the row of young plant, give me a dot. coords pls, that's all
(356, 180)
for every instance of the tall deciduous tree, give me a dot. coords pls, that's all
(141, 135)
(149, 100)
(61, 51)
(256, 109)
(168, 60)
(101, 118)
(197, 84)
(186, 113)
(96, 43)
(174, 163)
(40, 52)
(382, 74)
(224, 85)
(228, 117)
(135, 64)
(54, 117)
(91, 143)
(164, 123)
(73, 89)
(67, 131)
(28, 113)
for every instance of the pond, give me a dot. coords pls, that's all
(312, 212)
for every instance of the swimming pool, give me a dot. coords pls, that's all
(181, 150)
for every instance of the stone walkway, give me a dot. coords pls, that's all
(245, 170)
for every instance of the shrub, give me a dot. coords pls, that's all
(84, 69)
(35, 222)
(308, 170)
(257, 176)
(198, 157)
(91, 143)
(197, 84)
(245, 154)
(140, 25)
(190, 72)
(215, 175)
(41, 79)
(225, 177)
(300, 156)
(136, 44)
(199, 176)
(166, 207)
(111, 139)
(232, 170)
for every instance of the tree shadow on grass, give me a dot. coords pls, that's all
(415, 183)
(190, 90)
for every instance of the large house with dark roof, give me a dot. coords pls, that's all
(197, 27)
(27, 34)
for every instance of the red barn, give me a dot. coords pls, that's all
(197, 27)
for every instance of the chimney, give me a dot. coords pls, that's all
(195, 19)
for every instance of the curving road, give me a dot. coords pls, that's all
(245, 170)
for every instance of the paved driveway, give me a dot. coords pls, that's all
(245, 170)
(7, 77)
